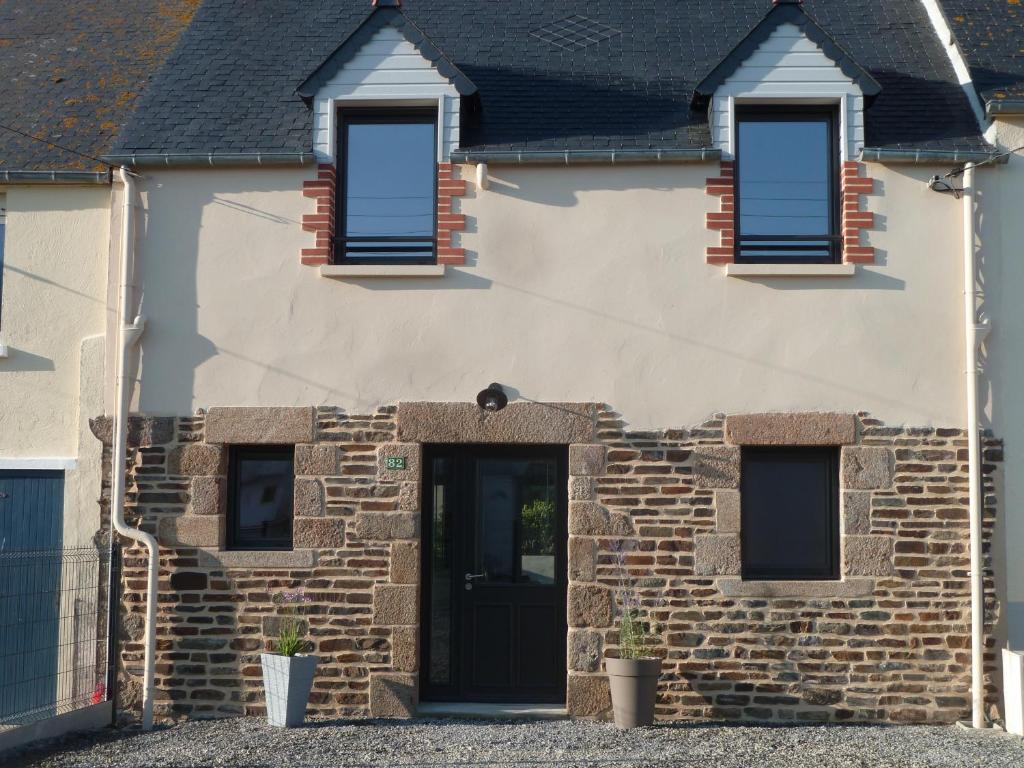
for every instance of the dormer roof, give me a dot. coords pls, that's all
(385, 13)
(786, 12)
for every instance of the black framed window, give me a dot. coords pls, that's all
(787, 176)
(388, 197)
(789, 505)
(260, 488)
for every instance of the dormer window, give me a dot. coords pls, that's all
(388, 177)
(787, 185)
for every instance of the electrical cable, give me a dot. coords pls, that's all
(992, 159)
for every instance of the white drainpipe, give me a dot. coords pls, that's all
(128, 337)
(975, 333)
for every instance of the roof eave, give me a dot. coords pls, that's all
(927, 156)
(198, 159)
(17, 176)
(994, 107)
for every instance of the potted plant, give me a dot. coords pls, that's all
(633, 676)
(288, 673)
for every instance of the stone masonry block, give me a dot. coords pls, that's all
(868, 555)
(197, 459)
(320, 460)
(192, 530)
(405, 562)
(867, 467)
(385, 526)
(727, 511)
(249, 426)
(518, 422)
(395, 605)
(588, 518)
(208, 496)
(587, 459)
(585, 650)
(408, 451)
(581, 488)
(319, 533)
(587, 695)
(405, 649)
(308, 497)
(582, 559)
(409, 497)
(716, 554)
(716, 467)
(791, 429)
(392, 695)
(857, 512)
(590, 605)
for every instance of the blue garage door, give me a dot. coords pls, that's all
(31, 536)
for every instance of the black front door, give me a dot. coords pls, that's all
(494, 625)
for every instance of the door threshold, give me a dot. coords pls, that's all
(492, 711)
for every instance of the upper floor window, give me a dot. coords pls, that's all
(787, 174)
(260, 491)
(388, 178)
(789, 505)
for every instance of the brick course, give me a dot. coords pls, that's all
(887, 644)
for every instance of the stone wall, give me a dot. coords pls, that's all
(889, 641)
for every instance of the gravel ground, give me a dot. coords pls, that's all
(579, 744)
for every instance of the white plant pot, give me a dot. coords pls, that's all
(287, 681)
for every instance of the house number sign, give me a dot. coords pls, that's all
(394, 462)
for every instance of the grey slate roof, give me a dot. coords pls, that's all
(230, 87)
(991, 35)
(72, 70)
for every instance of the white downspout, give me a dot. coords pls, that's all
(974, 334)
(128, 336)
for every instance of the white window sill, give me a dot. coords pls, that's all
(349, 271)
(852, 587)
(790, 270)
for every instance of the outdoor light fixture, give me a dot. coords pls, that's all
(492, 399)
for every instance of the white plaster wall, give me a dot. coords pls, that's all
(583, 283)
(788, 67)
(1001, 237)
(53, 316)
(387, 69)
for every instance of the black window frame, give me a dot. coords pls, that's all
(782, 113)
(237, 454)
(833, 523)
(408, 115)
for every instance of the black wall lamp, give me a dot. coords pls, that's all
(493, 398)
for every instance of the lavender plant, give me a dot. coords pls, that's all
(289, 639)
(637, 633)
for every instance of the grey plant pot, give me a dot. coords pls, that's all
(287, 681)
(634, 685)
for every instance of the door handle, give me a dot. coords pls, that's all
(471, 576)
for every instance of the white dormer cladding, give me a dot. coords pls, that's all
(387, 71)
(789, 68)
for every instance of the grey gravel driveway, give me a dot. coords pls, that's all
(582, 744)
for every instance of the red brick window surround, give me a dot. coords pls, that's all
(855, 184)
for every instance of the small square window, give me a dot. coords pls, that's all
(260, 488)
(790, 513)
(787, 176)
(388, 198)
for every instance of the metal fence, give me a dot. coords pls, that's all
(54, 632)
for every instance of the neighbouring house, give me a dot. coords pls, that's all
(454, 311)
(70, 74)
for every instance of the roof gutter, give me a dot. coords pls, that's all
(587, 157)
(55, 177)
(1004, 107)
(917, 156)
(195, 159)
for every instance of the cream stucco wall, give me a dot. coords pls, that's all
(1001, 236)
(583, 283)
(53, 321)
